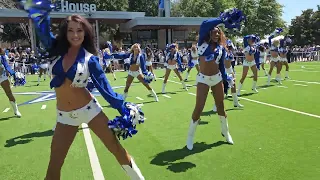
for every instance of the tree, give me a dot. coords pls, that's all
(263, 16)
(306, 27)
(150, 7)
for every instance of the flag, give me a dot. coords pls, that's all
(161, 4)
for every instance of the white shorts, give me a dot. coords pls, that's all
(209, 80)
(262, 60)
(172, 67)
(272, 59)
(134, 73)
(108, 63)
(229, 70)
(148, 63)
(195, 62)
(283, 59)
(44, 66)
(165, 64)
(248, 63)
(79, 116)
(3, 78)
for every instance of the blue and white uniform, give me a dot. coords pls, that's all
(140, 60)
(231, 18)
(85, 66)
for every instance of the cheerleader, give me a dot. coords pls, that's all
(193, 61)
(249, 62)
(43, 67)
(149, 60)
(5, 84)
(211, 48)
(73, 61)
(24, 68)
(262, 58)
(137, 61)
(107, 62)
(173, 59)
(274, 59)
(283, 54)
(229, 70)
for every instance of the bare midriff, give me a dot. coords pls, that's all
(71, 98)
(249, 57)
(172, 62)
(134, 67)
(208, 68)
(274, 54)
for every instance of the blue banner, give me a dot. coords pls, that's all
(161, 4)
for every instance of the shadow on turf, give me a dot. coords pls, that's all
(7, 118)
(168, 158)
(26, 138)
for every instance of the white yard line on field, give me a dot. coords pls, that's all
(300, 85)
(166, 96)
(6, 110)
(93, 157)
(139, 98)
(43, 107)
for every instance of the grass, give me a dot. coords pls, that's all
(270, 143)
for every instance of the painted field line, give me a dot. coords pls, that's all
(279, 107)
(177, 82)
(300, 85)
(308, 82)
(282, 86)
(139, 98)
(93, 157)
(192, 94)
(166, 96)
(6, 110)
(43, 106)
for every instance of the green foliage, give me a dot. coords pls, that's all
(306, 28)
(150, 7)
(263, 16)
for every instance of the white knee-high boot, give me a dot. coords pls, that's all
(191, 132)
(225, 129)
(15, 108)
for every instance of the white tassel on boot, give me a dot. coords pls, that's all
(187, 75)
(133, 172)
(254, 87)
(15, 108)
(192, 130)
(236, 101)
(225, 129)
(154, 94)
(269, 79)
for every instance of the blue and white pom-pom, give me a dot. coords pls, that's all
(125, 126)
(149, 77)
(232, 18)
(19, 79)
(230, 80)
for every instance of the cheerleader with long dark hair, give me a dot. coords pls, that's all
(211, 49)
(137, 63)
(44, 65)
(173, 60)
(249, 62)
(4, 82)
